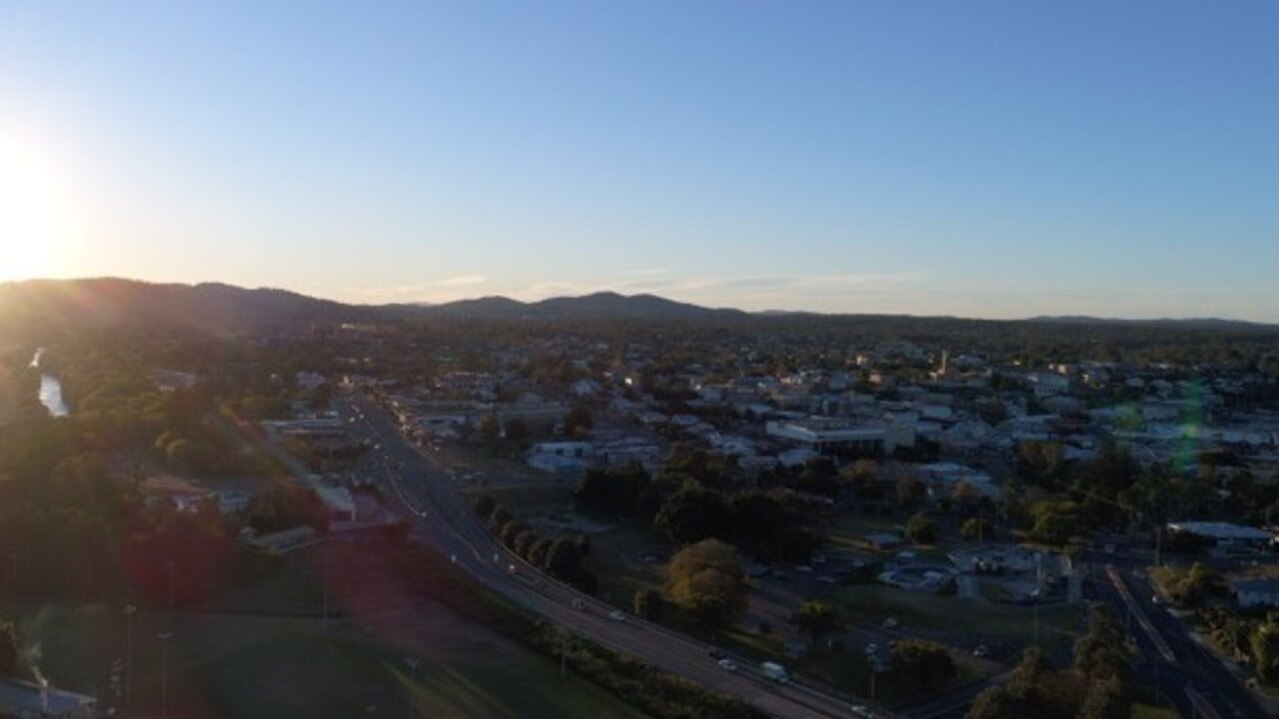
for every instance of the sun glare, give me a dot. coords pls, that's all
(33, 212)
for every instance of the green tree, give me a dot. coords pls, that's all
(578, 421)
(965, 496)
(510, 533)
(499, 518)
(1105, 699)
(693, 513)
(975, 529)
(285, 504)
(995, 703)
(490, 428)
(1264, 643)
(926, 664)
(1031, 671)
(862, 479)
(1101, 652)
(564, 559)
(920, 529)
(9, 662)
(613, 489)
(484, 505)
(649, 604)
(911, 491)
(707, 580)
(516, 430)
(1200, 582)
(817, 619)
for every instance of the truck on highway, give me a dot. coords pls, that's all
(775, 671)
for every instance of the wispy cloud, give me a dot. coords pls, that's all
(388, 291)
(463, 281)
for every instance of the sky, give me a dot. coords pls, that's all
(990, 159)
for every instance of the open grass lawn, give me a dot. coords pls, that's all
(850, 672)
(846, 533)
(527, 500)
(1146, 711)
(245, 666)
(1059, 626)
(614, 559)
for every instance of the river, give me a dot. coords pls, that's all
(50, 390)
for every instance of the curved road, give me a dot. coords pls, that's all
(447, 523)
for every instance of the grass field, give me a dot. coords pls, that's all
(871, 604)
(850, 672)
(847, 533)
(246, 666)
(1146, 711)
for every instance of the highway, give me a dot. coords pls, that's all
(1182, 670)
(445, 521)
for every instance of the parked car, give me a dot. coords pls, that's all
(890, 623)
(728, 665)
(617, 616)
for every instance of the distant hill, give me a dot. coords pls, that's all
(111, 302)
(35, 306)
(601, 305)
(1205, 323)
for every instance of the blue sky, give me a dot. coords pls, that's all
(995, 159)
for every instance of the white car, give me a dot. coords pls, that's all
(872, 648)
(862, 711)
(617, 616)
(890, 623)
(826, 579)
(728, 665)
(804, 568)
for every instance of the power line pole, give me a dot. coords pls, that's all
(164, 673)
(129, 610)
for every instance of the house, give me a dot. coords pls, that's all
(843, 437)
(884, 541)
(279, 543)
(566, 457)
(28, 700)
(308, 380)
(1257, 593)
(1224, 534)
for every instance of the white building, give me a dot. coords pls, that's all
(1257, 593)
(838, 436)
(1224, 534)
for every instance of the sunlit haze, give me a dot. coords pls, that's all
(996, 159)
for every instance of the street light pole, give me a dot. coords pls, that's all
(324, 588)
(171, 566)
(164, 673)
(413, 665)
(129, 610)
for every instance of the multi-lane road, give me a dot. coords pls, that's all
(1187, 674)
(1183, 671)
(445, 521)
